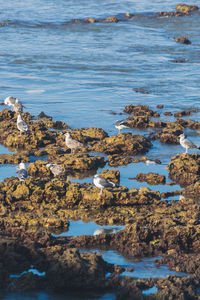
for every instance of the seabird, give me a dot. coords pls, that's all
(121, 125)
(187, 144)
(102, 183)
(21, 125)
(18, 107)
(71, 143)
(57, 170)
(10, 101)
(22, 172)
(102, 230)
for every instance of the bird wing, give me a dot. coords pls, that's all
(23, 126)
(105, 182)
(188, 143)
(22, 174)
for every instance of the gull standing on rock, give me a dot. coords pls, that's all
(22, 172)
(102, 183)
(17, 107)
(21, 125)
(187, 144)
(57, 170)
(121, 125)
(71, 143)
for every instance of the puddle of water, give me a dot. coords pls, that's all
(7, 171)
(146, 268)
(150, 291)
(4, 150)
(35, 158)
(32, 270)
(81, 228)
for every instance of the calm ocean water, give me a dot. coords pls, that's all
(80, 73)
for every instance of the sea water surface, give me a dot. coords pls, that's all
(81, 73)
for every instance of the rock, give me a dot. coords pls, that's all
(151, 178)
(127, 144)
(140, 110)
(183, 40)
(139, 90)
(185, 8)
(78, 162)
(184, 169)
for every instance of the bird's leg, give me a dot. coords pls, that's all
(119, 131)
(72, 151)
(101, 190)
(186, 151)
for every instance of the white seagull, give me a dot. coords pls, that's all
(21, 125)
(187, 144)
(71, 143)
(121, 125)
(102, 183)
(57, 170)
(22, 172)
(10, 101)
(102, 230)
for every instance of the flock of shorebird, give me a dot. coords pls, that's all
(73, 144)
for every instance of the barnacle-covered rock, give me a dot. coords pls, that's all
(140, 110)
(185, 168)
(185, 8)
(79, 161)
(126, 143)
(151, 178)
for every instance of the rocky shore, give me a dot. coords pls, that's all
(32, 209)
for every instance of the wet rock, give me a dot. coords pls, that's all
(151, 178)
(118, 160)
(93, 133)
(112, 19)
(89, 20)
(39, 136)
(75, 270)
(39, 168)
(139, 90)
(111, 175)
(169, 136)
(160, 106)
(126, 143)
(185, 8)
(78, 161)
(179, 114)
(165, 195)
(179, 61)
(184, 169)
(171, 14)
(183, 40)
(140, 110)
(167, 113)
(15, 158)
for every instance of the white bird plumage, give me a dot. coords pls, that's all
(121, 125)
(10, 101)
(187, 144)
(21, 125)
(102, 183)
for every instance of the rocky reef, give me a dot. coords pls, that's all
(34, 209)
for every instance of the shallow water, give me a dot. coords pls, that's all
(81, 73)
(143, 269)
